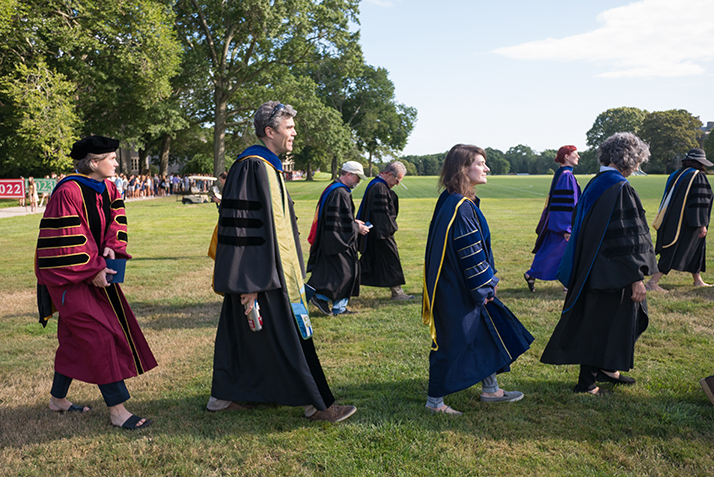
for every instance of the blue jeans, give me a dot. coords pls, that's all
(337, 307)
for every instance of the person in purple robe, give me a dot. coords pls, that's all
(554, 226)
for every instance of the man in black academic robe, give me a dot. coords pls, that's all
(379, 263)
(333, 261)
(684, 212)
(605, 310)
(258, 260)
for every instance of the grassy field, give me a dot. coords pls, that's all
(376, 360)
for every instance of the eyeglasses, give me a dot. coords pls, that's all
(396, 177)
(276, 109)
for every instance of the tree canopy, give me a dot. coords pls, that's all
(670, 135)
(612, 121)
(70, 68)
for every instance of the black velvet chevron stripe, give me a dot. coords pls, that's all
(626, 250)
(630, 231)
(63, 261)
(242, 222)
(60, 222)
(61, 241)
(563, 191)
(118, 204)
(560, 208)
(699, 205)
(240, 204)
(122, 236)
(115, 301)
(240, 241)
(630, 213)
(121, 219)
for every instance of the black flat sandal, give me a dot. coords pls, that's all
(530, 281)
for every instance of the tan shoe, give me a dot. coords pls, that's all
(708, 387)
(333, 413)
(398, 294)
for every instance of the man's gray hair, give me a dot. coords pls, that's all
(396, 168)
(625, 150)
(85, 165)
(271, 114)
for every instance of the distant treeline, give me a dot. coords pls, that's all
(670, 134)
(517, 160)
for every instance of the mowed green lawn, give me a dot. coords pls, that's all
(376, 360)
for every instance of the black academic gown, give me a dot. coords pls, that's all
(600, 323)
(333, 261)
(275, 364)
(380, 262)
(678, 243)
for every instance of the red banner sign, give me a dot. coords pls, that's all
(12, 188)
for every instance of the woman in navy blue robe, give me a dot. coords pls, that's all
(554, 226)
(474, 336)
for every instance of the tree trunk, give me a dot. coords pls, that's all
(369, 173)
(334, 167)
(308, 172)
(219, 132)
(142, 162)
(165, 148)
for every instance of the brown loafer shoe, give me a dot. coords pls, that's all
(334, 413)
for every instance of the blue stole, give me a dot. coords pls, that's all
(98, 186)
(264, 153)
(372, 182)
(672, 177)
(325, 195)
(590, 196)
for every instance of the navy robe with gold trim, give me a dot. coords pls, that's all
(471, 339)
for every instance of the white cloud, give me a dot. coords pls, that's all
(650, 38)
(380, 3)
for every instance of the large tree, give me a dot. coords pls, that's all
(612, 121)
(111, 61)
(709, 146)
(246, 46)
(380, 124)
(497, 162)
(670, 135)
(521, 157)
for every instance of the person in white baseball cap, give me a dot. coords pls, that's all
(355, 168)
(333, 261)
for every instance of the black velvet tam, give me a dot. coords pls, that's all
(93, 145)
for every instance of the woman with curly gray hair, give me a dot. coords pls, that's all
(604, 265)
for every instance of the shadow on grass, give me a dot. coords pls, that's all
(177, 316)
(184, 257)
(549, 411)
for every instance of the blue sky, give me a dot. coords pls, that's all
(499, 74)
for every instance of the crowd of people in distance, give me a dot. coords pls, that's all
(595, 241)
(140, 186)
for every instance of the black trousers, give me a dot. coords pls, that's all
(113, 393)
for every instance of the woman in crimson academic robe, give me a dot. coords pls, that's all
(99, 338)
(605, 262)
(474, 336)
(554, 226)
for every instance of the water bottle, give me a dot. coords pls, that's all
(255, 321)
